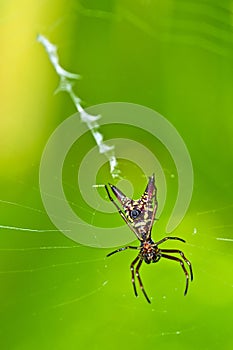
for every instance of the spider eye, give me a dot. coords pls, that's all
(134, 213)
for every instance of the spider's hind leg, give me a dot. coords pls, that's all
(170, 237)
(121, 249)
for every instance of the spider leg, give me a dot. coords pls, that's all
(182, 254)
(183, 267)
(140, 281)
(121, 212)
(167, 238)
(133, 278)
(121, 249)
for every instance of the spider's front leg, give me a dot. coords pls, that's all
(183, 256)
(140, 281)
(183, 267)
(133, 278)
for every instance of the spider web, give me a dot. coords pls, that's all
(40, 261)
(66, 291)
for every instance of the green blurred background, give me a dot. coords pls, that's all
(175, 57)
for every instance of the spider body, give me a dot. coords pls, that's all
(139, 215)
(149, 252)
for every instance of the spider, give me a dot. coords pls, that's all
(139, 215)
